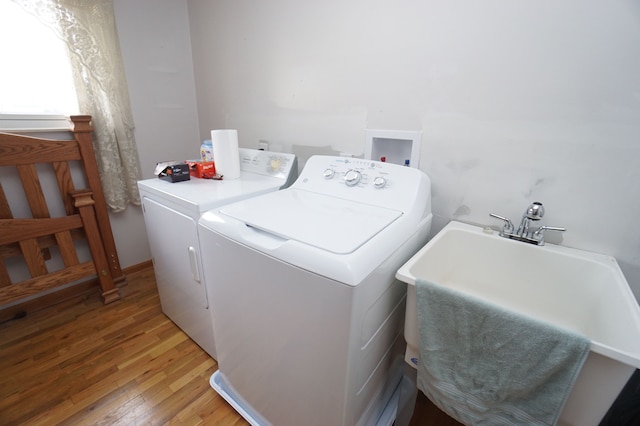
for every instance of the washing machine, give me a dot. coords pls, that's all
(171, 213)
(305, 304)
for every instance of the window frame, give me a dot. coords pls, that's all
(33, 122)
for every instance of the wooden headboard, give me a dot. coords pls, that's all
(45, 228)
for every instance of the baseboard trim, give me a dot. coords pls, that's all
(138, 267)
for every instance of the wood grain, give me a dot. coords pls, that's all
(83, 362)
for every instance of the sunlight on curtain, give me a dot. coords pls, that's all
(88, 28)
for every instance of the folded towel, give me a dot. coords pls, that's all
(485, 365)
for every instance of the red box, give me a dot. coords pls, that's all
(202, 169)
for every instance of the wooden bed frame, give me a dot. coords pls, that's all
(33, 240)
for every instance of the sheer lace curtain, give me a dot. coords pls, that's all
(88, 28)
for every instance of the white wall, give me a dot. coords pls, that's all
(518, 101)
(156, 48)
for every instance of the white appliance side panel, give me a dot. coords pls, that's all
(276, 327)
(328, 223)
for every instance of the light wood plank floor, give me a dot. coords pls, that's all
(85, 363)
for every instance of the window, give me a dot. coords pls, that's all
(89, 32)
(35, 77)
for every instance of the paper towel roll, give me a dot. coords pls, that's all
(225, 153)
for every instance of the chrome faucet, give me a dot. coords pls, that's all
(524, 233)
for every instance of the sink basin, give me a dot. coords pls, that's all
(578, 290)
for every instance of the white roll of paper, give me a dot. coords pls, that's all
(225, 153)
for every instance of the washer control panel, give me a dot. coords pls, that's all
(368, 181)
(358, 173)
(269, 163)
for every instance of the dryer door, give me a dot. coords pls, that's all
(174, 246)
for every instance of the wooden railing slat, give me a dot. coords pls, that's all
(13, 230)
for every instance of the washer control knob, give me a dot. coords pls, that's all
(329, 173)
(352, 177)
(379, 182)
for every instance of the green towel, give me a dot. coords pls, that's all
(485, 365)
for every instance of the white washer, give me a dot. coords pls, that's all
(306, 307)
(171, 213)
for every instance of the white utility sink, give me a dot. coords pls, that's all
(578, 290)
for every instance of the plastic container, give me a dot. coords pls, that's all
(206, 150)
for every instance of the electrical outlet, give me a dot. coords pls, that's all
(263, 145)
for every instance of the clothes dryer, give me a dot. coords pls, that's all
(305, 303)
(171, 213)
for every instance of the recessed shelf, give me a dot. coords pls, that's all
(395, 146)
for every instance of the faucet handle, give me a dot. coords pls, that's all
(507, 228)
(538, 235)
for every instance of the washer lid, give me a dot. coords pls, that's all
(334, 224)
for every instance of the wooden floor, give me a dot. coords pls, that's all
(85, 363)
